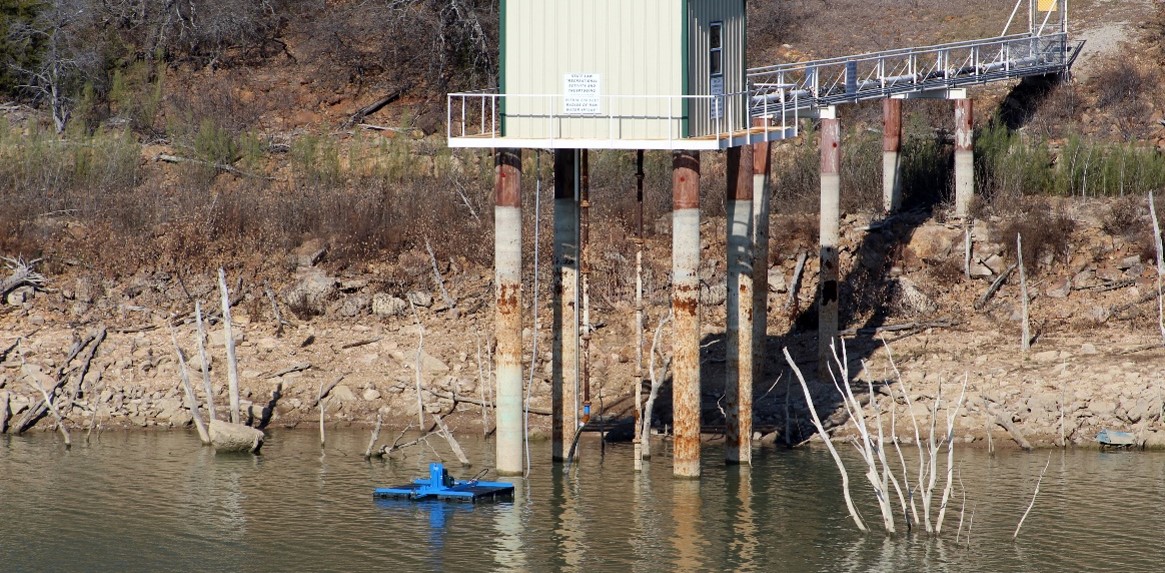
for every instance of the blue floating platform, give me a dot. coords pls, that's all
(1116, 439)
(441, 486)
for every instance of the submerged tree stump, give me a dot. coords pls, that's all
(228, 437)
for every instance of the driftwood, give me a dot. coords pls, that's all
(1026, 343)
(795, 284)
(1006, 423)
(375, 436)
(1033, 502)
(49, 403)
(323, 407)
(97, 340)
(22, 275)
(229, 342)
(191, 401)
(457, 398)
(224, 167)
(279, 322)
(1160, 265)
(299, 367)
(449, 302)
(4, 412)
(34, 414)
(360, 343)
(995, 286)
(207, 386)
(375, 106)
(453, 445)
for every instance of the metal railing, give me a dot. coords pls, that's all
(490, 119)
(851, 79)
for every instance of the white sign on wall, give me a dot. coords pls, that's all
(717, 90)
(580, 94)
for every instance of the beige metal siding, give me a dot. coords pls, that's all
(633, 46)
(701, 15)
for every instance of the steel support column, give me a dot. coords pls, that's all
(827, 299)
(760, 251)
(964, 157)
(686, 312)
(508, 308)
(891, 154)
(738, 368)
(564, 357)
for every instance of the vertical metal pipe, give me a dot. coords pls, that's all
(508, 308)
(738, 368)
(564, 375)
(891, 154)
(760, 252)
(638, 380)
(964, 157)
(827, 299)
(686, 312)
(584, 247)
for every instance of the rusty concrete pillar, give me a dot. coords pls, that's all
(686, 313)
(738, 370)
(760, 252)
(964, 157)
(827, 300)
(564, 357)
(891, 155)
(508, 308)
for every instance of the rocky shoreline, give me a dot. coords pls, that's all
(1097, 361)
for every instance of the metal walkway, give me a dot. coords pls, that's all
(791, 88)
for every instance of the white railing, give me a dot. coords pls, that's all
(881, 74)
(490, 119)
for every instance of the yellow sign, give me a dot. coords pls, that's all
(1047, 5)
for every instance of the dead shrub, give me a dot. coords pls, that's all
(1046, 233)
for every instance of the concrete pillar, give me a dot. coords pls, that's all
(760, 252)
(564, 357)
(738, 368)
(891, 155)
(508, 308)
(686, 313)
(964, 157)
(830, 221)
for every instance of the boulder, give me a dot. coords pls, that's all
(384, 304)
(354, 305)
(228, 437)
(312, 293)
(933, 243)
(777, 281)
(1059, 289)
(421, 299)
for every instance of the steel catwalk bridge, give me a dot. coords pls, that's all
(782, 94)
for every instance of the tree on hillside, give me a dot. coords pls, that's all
(53, 56)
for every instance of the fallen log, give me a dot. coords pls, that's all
(4, 412)
(22, 275)
(167, 158)
(456, 398)
(375, 106)
(995, 286)
(453, 445)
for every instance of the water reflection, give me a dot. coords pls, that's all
(154, 502)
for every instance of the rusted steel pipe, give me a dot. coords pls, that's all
(891, 154)
(827, 300)
(686, 312)
(637, 381)
(508, 308)
(584, 248)
(563, 361)
(964, 157)
(738, 369)
(760, 252)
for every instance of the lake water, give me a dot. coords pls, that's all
(160, 502)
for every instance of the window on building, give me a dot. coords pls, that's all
(714, 49)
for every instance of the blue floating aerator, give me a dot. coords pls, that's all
(442, 486)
